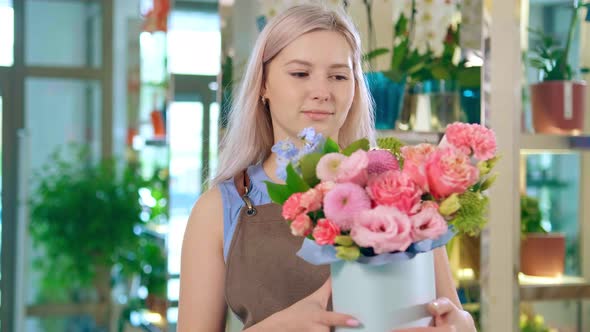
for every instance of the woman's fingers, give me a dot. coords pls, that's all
(329, 318)
(441, 307)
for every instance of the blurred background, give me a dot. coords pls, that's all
(112, 112)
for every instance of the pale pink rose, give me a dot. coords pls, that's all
(381, 161)
(325, 232)
(428, 223)
(384, 228)
(354, 168)
(484, 143)
(459, 135)
(394, 188)
(343, 202)
(450, 171)
(325, 186)
(302, 225)
(292, 207)
(327, 167)
(311, 200)
(415, 162)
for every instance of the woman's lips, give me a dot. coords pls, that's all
(317, 115)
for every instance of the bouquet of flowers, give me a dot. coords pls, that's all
(384, 208)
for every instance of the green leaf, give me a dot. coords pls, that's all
(331, 146)
(361, 144)
(278, 193)
(294, 181)
(375, 53)
(395, 75)
(308, 165)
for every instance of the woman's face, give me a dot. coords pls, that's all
(310, 83)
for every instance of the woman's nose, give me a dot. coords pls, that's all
(320, 90)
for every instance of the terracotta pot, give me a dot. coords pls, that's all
(542, 254)
(558, 107)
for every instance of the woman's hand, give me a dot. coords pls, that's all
(309, 314)
(447, 318)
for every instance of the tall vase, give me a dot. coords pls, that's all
(388, 96)
(431, 106)
(385, 297)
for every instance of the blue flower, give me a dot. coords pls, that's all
(282, 168)
(309, 134)
(285, 149)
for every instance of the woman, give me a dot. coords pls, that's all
(305, 71)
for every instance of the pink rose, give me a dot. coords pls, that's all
(325, 232)
(343, 202)
(415, 163)
(328, 166)
(383, 228)
(450, 171)
(292, 207)
(394, 188)
(311, 200)
(302, 225)
(354, 168)
(428, 223)
(381, 161)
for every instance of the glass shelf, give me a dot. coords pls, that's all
(534, 143)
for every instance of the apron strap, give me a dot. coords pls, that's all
(243, 185)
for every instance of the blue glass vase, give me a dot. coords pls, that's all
(388, 96)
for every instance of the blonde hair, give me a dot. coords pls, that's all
(249, 136)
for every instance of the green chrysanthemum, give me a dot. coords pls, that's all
(470, 217)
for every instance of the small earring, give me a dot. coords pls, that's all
(263, 100)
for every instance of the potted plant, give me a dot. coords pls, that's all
(84, 221)
(424, 69)
(541, 253)
(558, 101)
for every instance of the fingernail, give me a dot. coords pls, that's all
(435, 306)
(353, 322)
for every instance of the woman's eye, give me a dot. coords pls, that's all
(340, 77)
(299, 74)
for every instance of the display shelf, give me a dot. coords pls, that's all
(535, 143)
(560, 288)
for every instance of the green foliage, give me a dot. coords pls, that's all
(361, 144)
(295, 183)
(308, 165)
(390, 143)
(470, 218)
(549, 56)
(530, 215)
(331, 146)
(83, 215)
(278, 193)
(532, 324)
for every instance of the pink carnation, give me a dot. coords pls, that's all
(381, 161)
(325, 232)
(325, 186)
(302, 225)
(484, 143)
(450, 171)
(311, 200)
(343, 202)
(394, 188)
(328, 166)
(428, 223)
(292, 207)
(471, 138)
(384, 228)
(354, 168)
(415, 163)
